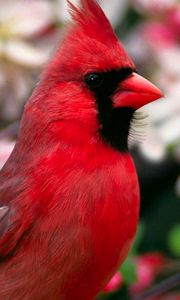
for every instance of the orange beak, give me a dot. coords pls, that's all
(135, 92)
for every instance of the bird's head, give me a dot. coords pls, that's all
(92, 80)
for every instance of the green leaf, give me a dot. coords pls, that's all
(174, 240)
(128, 271)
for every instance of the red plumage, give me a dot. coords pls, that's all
(70, 199)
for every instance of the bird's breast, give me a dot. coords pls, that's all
(106, 205)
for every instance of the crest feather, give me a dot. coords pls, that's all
(91, 19)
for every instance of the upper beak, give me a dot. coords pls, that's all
(135, 92)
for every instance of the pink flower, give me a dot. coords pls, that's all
(114, 284)
(148, 266)
(173, 19)
(159, 34)
(145, 277)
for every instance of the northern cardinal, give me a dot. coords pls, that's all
(69, 192)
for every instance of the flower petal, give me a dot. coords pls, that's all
(26, 18)
(25, 54)
(6, 148)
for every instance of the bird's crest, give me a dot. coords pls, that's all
(91, 19)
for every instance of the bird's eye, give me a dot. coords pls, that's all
(94, 80)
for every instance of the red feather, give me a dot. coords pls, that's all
(91, 20)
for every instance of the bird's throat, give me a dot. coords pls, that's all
(114, 123)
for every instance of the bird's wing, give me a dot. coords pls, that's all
(13, 225)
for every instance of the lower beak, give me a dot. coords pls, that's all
(135, 92)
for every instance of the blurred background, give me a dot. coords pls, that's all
(150, 31)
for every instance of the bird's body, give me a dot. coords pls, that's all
(68, 245)
(69, 192)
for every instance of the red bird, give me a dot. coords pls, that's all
(69, 193)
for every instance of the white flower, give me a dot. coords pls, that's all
(24, 18)
(6, 148)
(20, 56)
